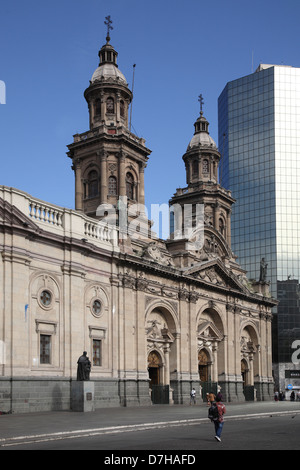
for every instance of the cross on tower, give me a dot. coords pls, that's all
(108, 23)
(201, 102)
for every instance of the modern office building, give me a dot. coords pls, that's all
(259, 138)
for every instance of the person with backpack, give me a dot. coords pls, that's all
(215, 414)
(193, 397)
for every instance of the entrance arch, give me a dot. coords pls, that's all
(203, 365)
(245, 373)
(154, 368)
(250, 352)
(160, 337)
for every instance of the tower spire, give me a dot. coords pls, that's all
(200, 99)
(108, 23)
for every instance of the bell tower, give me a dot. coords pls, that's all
(201, 163)
(108, 160)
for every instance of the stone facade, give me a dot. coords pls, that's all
(149, 312)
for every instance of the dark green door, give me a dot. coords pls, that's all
(160, 394)
(208, 387)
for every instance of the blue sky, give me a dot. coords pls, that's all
(49, 51)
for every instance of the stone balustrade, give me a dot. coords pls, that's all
(66, 222)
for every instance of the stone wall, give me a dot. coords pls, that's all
(25, 395)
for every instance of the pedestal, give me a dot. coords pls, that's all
(83, 396)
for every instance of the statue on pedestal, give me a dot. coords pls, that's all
(83, 367)
(263, 271)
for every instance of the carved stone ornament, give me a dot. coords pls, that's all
(112, 167)
(141, 282)
(207, 331)
(155, 253)
(156, 333)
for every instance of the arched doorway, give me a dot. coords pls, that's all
(154, 368)
(244, 372)
(248, 387)
(159, 392)
(210, 337)
(204, 368)
(161, 328)
(203, 365)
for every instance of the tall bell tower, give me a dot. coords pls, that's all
(108, 160)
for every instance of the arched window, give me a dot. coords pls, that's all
(112, 186)
(97, 107)
(195, 169)
(205, 167)
(222, 227)
(110, 106)
(203, 365)
(129, 186)
(122, 109)
(93, 184)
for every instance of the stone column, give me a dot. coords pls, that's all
(167, 364)
(122, 176)
(141, 196)
(91, 113)
(103, 183)
(215, 361)
(78, 186)
(102, 106)
(217, 209)
(228, 228)
(251, 372)
(118, 99)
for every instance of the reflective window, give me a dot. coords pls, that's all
(260, 117)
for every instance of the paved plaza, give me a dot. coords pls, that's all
(155, 427)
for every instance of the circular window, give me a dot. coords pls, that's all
(45, 298)
(96, 307)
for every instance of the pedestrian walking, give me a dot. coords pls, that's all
(193, 397)
(211, 398)
(216, 415)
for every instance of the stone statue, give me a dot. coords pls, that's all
(263, 270)
(84, 367)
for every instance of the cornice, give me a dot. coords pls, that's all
(177, 274)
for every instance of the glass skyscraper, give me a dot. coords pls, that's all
(259, 139)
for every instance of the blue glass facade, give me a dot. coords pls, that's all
(259, 137)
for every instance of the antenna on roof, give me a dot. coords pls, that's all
(132, 96)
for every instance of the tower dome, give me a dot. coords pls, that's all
(108, 68)
(201, 137)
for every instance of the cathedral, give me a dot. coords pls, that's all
(155, 317)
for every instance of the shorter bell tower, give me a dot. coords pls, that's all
(201, 163)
